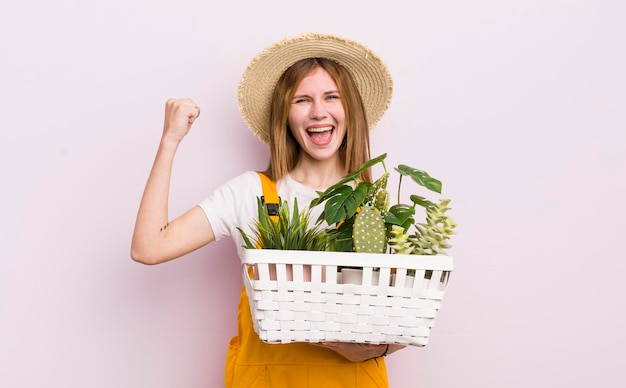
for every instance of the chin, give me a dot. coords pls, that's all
(323, 156)
(322, 153)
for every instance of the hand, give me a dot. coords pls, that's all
(359, 352)
(180, 114)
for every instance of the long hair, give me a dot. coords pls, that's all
(284, 148)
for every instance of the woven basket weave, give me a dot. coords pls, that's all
(297, 296)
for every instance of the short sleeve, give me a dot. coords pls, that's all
(232, 205)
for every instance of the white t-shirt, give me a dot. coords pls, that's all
(234, 204)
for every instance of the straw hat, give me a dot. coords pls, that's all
(369, 72)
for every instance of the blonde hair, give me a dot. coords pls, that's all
(285, 150)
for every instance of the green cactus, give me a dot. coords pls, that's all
(369, 233)
(382, 201)
(379, 185)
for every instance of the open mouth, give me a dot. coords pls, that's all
(321, 135)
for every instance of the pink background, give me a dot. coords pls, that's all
(518, 107)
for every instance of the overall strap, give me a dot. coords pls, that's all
(270, 196)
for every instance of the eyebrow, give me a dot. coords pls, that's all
(307, 95)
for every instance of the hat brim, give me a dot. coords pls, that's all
(257, 84)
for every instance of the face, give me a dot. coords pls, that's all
(316, 116)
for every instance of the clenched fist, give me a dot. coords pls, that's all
(180, 114)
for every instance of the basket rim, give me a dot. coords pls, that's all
(349, 259)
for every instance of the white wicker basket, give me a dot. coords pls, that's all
(294, 298)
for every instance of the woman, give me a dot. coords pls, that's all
(313, 99)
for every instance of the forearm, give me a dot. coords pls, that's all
(356, 352)
(152, 218)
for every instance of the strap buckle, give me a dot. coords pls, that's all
(272, 208)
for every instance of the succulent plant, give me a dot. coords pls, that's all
(399, 241)
(430, 238)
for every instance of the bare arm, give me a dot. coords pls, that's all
(155, 239)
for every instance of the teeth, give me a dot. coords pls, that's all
(321, 129)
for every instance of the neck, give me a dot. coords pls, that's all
(317, 174)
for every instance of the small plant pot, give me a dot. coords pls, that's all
(355, 276)
(305, 275)
(408, 281)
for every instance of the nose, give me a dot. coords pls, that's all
(318, 110)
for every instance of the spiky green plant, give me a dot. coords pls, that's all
(291, 230)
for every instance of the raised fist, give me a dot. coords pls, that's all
(180, 114)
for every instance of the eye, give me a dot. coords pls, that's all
(333, 96)
(298, 100)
